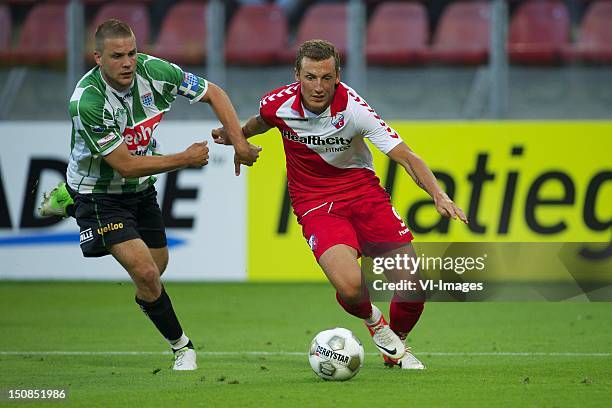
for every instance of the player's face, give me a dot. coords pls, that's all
(117, 61)
(318, 80)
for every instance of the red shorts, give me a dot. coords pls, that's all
(369, 224)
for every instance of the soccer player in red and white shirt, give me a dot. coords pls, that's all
(337, 197)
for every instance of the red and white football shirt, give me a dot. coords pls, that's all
(327, 157)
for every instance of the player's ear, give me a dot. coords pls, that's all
(97, 57)
(297, 74)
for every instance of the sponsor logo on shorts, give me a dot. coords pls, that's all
(312, 242)
(85, 236)
(405, 229)
(110, 227)
(106, 139)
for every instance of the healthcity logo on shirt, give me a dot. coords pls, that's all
(315, 140)
(137, 137)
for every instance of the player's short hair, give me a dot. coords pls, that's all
(112, 28)
(318, 50)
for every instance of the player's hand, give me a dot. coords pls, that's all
(197, 154)
(246, 155)
(220, 136)
(447, 208)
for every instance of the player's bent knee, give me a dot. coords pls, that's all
(146, 275)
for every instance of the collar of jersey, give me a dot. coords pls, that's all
(338, 104)
(116, 92)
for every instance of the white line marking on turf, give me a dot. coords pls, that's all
(297, 353)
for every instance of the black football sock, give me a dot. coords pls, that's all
(162, 315)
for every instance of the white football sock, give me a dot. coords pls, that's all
(375, 317)
(179, 343)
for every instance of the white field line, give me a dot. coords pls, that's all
(296, 353)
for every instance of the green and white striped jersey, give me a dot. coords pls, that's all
(103, 118)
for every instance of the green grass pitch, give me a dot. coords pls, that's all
(478, 354)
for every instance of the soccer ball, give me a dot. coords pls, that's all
(336, 354)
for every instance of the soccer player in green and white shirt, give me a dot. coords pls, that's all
(115, 109)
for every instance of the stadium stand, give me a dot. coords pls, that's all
(30, 2)
(43, 35)
(256, 35)
(6, 28)
(133, 13)
(463, 34)
(398, 34)
(594, 42)
(182, 38)
(21, 2)
(539, 32)
(324, 21)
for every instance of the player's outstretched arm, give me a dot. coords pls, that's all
(254, 126)
(246, 153)
(424, 178)
(130, 166)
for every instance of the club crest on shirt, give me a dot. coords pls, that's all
(147, 99)
(312, 242)
(338, 121)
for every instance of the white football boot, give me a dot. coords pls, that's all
(386, 340)
(407, 362)
(185, 359)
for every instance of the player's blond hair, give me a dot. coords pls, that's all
(318, 50)
(112, 28)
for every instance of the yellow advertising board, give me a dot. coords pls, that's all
(517, 182)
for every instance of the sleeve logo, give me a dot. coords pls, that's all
(190, 85)
(98, 129)
(106, 140)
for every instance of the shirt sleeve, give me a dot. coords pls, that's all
(271, 102)
(94, 123)
(266, 111)
(174, 81)
(265, 115)
(371, 126)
